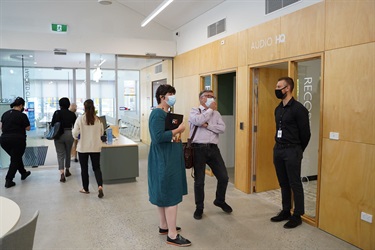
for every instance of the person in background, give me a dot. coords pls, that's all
(292, 137)
(166, 168)
(210, 125)
(87, 130)
(73, 153)
(14, 124)
(64, 142)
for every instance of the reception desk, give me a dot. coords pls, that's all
(119, 161)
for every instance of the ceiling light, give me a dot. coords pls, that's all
(105, 2)
(159, 9)
(97, 74)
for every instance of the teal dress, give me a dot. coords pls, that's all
(166, 167)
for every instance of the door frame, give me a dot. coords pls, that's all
(292, 72)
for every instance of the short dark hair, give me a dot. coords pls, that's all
(289, 81)
(64, 103)
(205, 91)
(17, 102)
(162, 90)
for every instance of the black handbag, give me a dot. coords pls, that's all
(54, 131)
(189, 151)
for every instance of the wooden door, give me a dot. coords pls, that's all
(265, 175)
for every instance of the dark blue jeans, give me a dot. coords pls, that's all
(287, 163)
(15, 147)
(209, 154)
(95, 162)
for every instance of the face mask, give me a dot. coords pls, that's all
(171, 100)
(279, 94)
(209, 101)
(22, 109)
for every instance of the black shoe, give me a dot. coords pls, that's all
(165, 231)
(67, 172)
(62, 178)
(25, 175)
(283, 215)
(293, 222)
(226, 208)
(198, 214)
(75, 160)
(101, 194)
(9, 183)
(179, 241)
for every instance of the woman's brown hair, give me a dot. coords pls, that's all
(90, 111)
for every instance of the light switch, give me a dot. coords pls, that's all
(333, 135)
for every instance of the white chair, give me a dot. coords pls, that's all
(20, 238)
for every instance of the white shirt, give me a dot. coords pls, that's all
(89, 141)
(210, 134)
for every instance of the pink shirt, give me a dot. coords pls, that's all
(215, 126)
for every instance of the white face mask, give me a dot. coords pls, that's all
(209, 101)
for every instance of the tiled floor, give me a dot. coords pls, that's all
(124, 218)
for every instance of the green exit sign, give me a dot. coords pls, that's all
(59, 27)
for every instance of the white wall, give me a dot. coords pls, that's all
(92, 27)
(240, 15)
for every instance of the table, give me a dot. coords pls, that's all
(9, 215)
(119, 161)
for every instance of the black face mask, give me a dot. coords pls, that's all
(22, 109)
(279, 94)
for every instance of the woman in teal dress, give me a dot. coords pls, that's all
(166, 168)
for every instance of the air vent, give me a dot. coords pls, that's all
(272, 5)
(60, 52)
(216, 28)
(158, 68)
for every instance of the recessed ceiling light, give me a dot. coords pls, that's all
(105, 2)
(11, 71)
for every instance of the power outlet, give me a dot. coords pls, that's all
(366, 217)
(333, 135)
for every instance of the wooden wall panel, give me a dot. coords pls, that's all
(243, 137)
(242, 47)
(261, 46)
(304, 31)
(187, 91)
(209, 57)
(349, 91)
(347, 189)
(227, 49)
(349, 23)
(186, 64)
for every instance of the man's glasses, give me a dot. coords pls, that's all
(209, 96)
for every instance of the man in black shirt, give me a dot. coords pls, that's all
(14, 124)
(292, 136)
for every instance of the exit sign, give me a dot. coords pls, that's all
(59, 27)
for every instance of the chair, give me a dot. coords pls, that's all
(22, 237)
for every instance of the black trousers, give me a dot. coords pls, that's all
(95, 162)
(287, 161)
(209, 154)
(15, 147)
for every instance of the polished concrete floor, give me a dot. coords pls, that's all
(124, 218)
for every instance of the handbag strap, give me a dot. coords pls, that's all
(195, 130)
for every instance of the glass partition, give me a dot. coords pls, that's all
(308, 93)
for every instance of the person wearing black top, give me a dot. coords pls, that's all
(14, 124)
(292, 137)
(64, 142)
